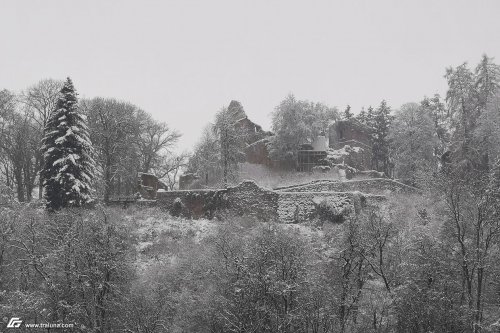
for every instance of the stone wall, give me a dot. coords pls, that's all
(248, 199)
(192, 203)
(375, 186)
(300, 207)
(148, 185)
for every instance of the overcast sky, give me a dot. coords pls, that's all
(183, 60)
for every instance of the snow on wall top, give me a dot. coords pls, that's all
(375, 186)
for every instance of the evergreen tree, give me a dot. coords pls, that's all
(362, 116)
(370, 117)
(487, 87)
(462, 105)
(68, 154)
(469, 96)
(380, 125)
(413, 140)
(436, 109)
(487, 81)
(347, 113)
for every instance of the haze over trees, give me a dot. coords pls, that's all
(427, 263)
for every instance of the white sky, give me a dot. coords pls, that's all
(183, 60)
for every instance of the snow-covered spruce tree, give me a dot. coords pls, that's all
(69, 166)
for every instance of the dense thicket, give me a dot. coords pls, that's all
(401, 271)
(70, 266)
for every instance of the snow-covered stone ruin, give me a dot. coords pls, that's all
(333, 201)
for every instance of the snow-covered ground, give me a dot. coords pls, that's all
(159, 236)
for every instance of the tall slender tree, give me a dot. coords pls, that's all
(347, 113)
(68, 154)
(381, 122)
(38, 101)
(230, 141)
(412, 141)
(362, 116)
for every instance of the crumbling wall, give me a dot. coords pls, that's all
(347, 132)
(375, 186)
(187, 180)
(352, 154)
(258, 153)
(192, 204)
(295, 207)
(148, 185)
(298, 207)
(248, 199)
(353, 137)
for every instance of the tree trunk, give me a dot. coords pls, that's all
(28, 180)
(7, 176)
(19, 184)
(478, 315)
(107, 180)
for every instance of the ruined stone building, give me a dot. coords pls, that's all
(348, 143)
(255, 149)
(313, 154)
(358, 137)
(149, 185)
(349, 132)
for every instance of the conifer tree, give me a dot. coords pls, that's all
(362, 116)
(69, 166)
(370, 117)
(381, 122)
(347, 113)
(487, 81)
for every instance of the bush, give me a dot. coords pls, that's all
(328, 211)
(177, 207)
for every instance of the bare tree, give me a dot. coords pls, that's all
(41, 99)
(113, 130)
(38, 101)
(19, 143)
(205, 161)
(7, 108)
(170, 167)
(155, 139)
